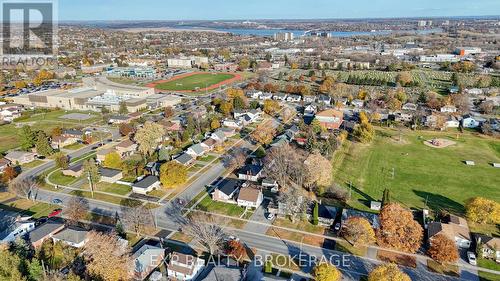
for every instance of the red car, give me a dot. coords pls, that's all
(54, 213)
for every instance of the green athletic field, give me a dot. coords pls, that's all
(193, 82)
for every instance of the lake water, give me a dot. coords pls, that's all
(297, 33)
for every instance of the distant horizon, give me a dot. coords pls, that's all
(224, 10)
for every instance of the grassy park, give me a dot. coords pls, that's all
(416, 173)
(194, 82)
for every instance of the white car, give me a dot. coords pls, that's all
(472, 258)
(270, 216)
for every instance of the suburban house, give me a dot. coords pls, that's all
(71, 133)
(4, 163)
(231, 123)
(279, 96)
(171, 126)
(250, 172)
(209, 144)
(310, 110)
(489, 246)
(250, 196)
(358, 103)
(325, 99)
(326, 214)
(309, 99)
(196, 150)
(470, 122)
(456, 229)
(270, 183)
(13, 226)
(219, 136)
(451, 122)
(74, 237)
(293, 98)
(254, 94)
(185, 159)
(101, 154)
(448, 109)
(330, 119)
(126, 148)
(75, 170)
(110, 175)
(372, 218)
(226, 191)
(62, 141)
(409, 106)
(9, 114)
(146, 259)
(184, 267)
(145, 185)
(266, 96)
(20, 157)
(44, 232)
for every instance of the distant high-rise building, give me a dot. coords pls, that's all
(283, 36)
(422, 23)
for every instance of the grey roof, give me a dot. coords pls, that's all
(72, 235)
(43, 230)
(146, 182)
(372, 218)
(327, 212)
(75, 168)
(7, 223)
(72, 132)
(197, 148)
(223, 273)
(434, 228)
(107, 172)
(228, 186)
(220, 134)
(184, 158)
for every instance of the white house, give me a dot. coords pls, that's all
(13, 227)
(250, 172)
(310, 110)
(452, 122)
(250, 197)
(448, 109)
(293, 98)
(266, 96)
(236, 124)
(196, 150)
(184, 267)
(358, 103)
(469, 122)
(254, 94)
(145, 185)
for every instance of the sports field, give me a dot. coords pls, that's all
(192, 82)
(421, 173)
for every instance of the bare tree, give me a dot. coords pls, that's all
(286, 164)
(206, 230)
(236, 159)
(293, 202)
(137, 219)
(24, 187)
(76, 209)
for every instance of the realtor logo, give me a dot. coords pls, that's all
(28, 28)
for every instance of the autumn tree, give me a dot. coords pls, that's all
(443, 249)
(264, 133)
(243, 64)
(271, 107)
(148, 137)
(10, 265)
(387, 272)
(24, 187)
(107, 258)
(358, 230)
(398, 229)
(326, 272)
(137, 219)
(112, 160)
(125, 129)
(226, 107)
(9, 173)
(91, 171)
(482, 210)
(318, 170)
(404, 79)
(173, 174)
(235, 249)
(62, 160)
(364, 131)
(76, 210)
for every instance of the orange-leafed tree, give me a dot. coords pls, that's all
(443, 249)
(358, 230)
(398, 229)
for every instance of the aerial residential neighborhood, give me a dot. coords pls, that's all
(262, 140)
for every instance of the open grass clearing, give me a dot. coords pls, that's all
(447, 269)
(194, 82)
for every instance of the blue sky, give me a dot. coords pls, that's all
(269, 9)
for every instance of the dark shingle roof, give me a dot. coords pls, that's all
(43, 230)
(107, 172)
(146, 182)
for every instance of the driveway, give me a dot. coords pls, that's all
(258, 216)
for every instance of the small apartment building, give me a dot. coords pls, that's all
(184, 267)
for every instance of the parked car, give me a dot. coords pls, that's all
(270, 216)
(472, 258)
(56, 201)
(54, 213)
(337, 226)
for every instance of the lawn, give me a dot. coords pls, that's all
(448, 269)
(57, 177)
(297, 236)
(209, 205)
(115, 188)
(75, 146)
(36, 209)
(486, 276)
(9, 133)
(194, 82)
(107, 198)
(421, 174)
(31, 164)
(346, 247)
(489, 264)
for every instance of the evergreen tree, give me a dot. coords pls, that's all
(315, 214)
(386, 198)
(28, 138)
(42, 144)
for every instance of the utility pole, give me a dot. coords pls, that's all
(90, 184)
(392, 173)
(350, 189)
